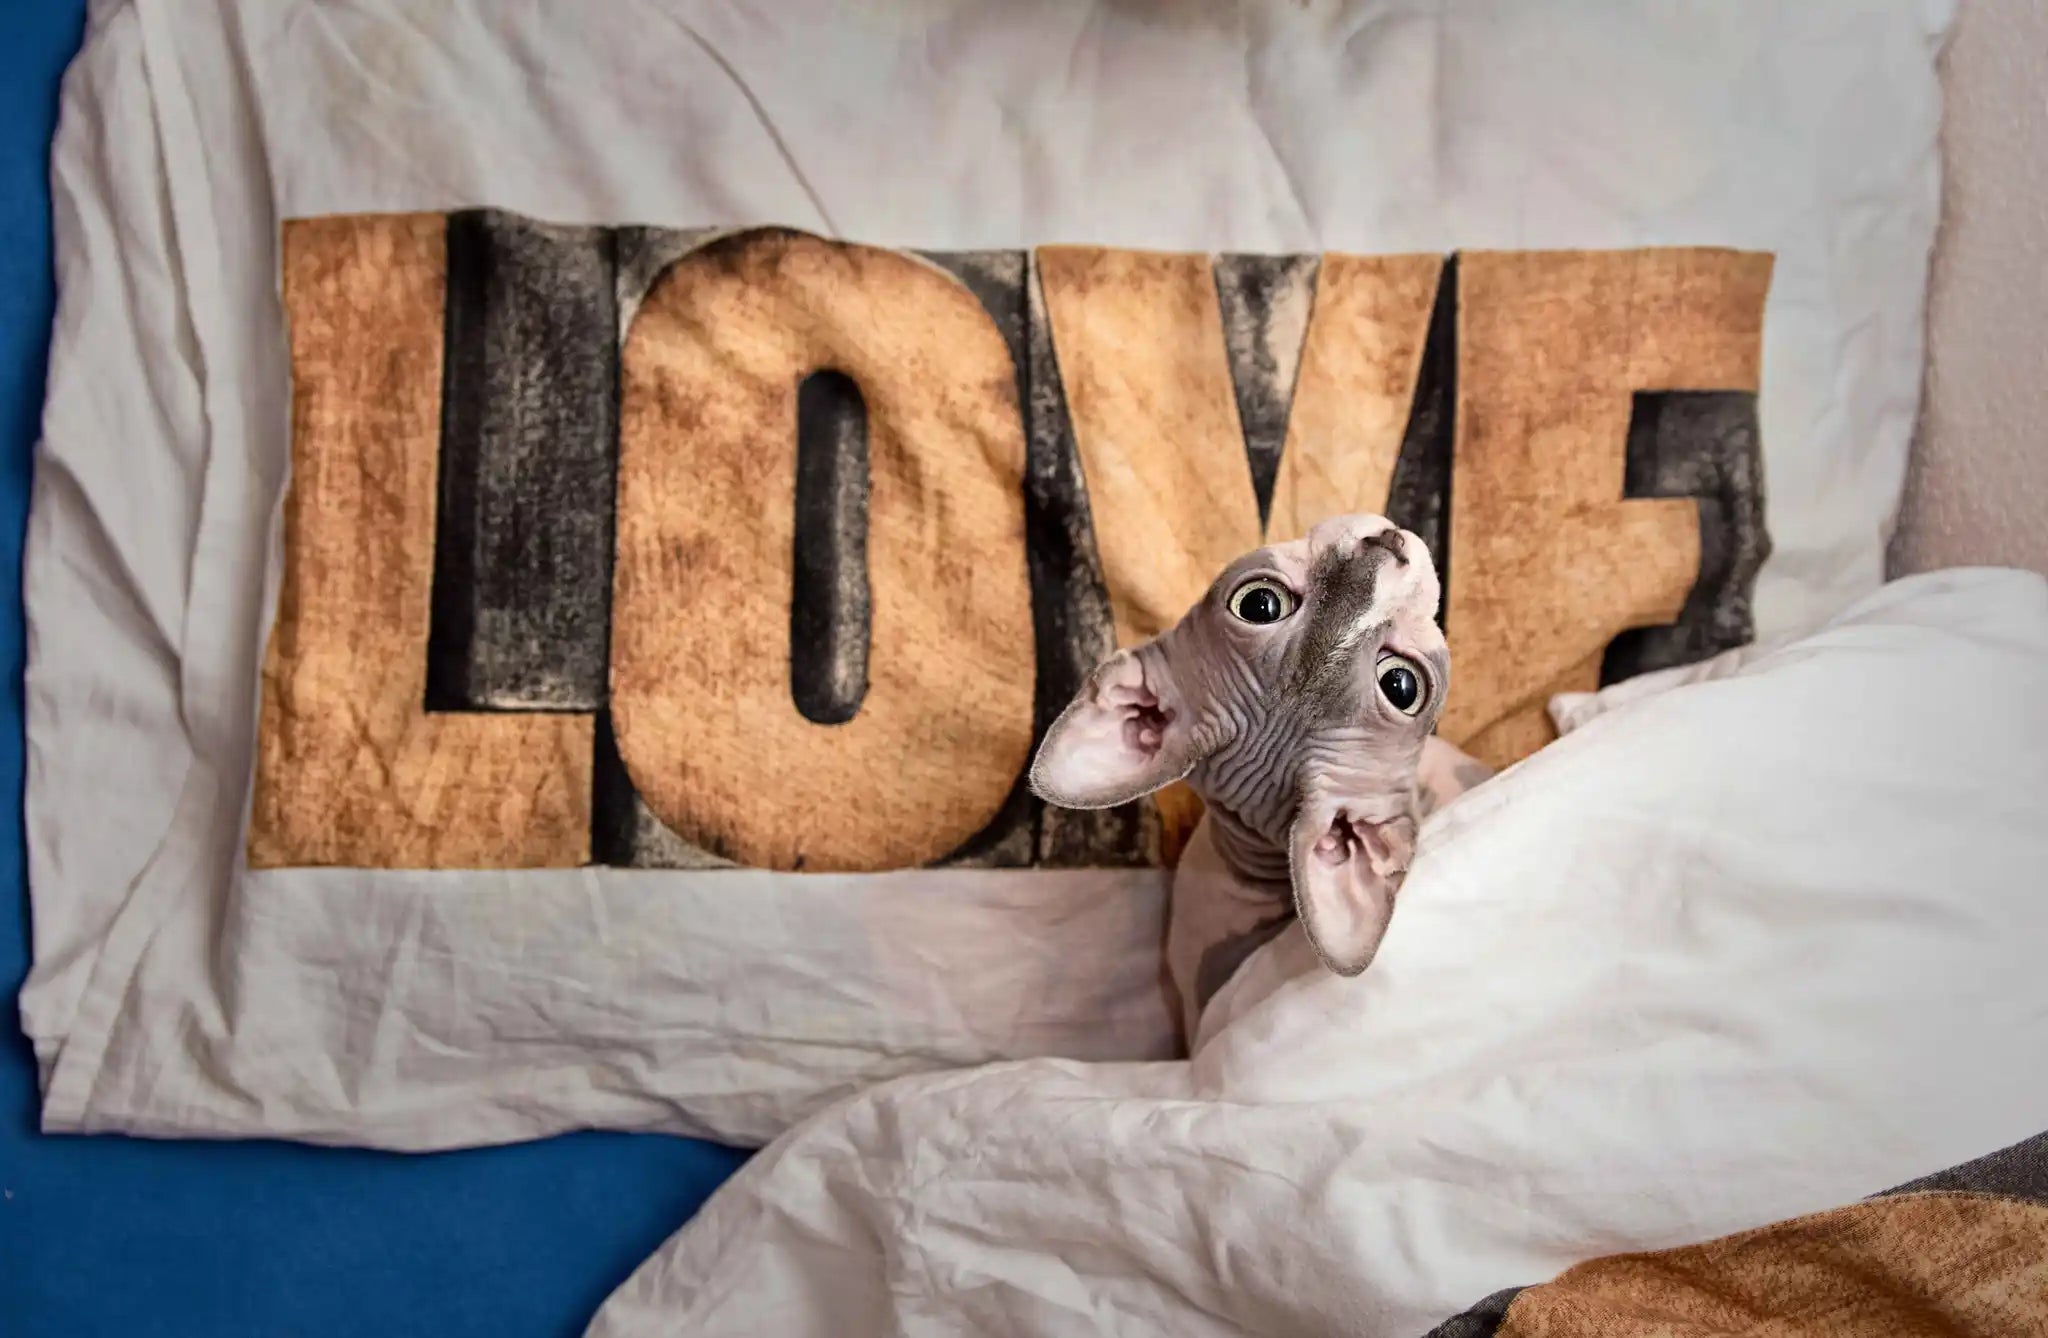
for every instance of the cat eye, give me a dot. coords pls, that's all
(1262, 601)
(1401, 683)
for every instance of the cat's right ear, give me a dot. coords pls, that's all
(1126, 733)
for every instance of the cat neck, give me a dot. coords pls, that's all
(1249, 855)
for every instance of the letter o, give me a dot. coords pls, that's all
(700, 671)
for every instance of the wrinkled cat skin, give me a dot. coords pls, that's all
(1297, 699)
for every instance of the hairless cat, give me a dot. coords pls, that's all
(1297, 698)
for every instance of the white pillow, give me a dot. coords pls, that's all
(176, 992)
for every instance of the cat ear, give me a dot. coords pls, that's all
(1346, 869)
(1125, 734)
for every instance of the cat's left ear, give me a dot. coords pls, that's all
(1348, 853)
(1126, 734)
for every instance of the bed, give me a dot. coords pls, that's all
(531, 1238)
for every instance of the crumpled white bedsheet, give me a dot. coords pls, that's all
(1758, 944)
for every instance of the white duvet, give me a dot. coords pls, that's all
(1757, 937)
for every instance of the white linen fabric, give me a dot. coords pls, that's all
(1757, 945)
(175, 993)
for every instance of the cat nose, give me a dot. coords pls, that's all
(1394, 541)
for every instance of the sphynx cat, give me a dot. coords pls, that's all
(1297, 698)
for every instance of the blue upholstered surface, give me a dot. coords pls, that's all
(122, 1237)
